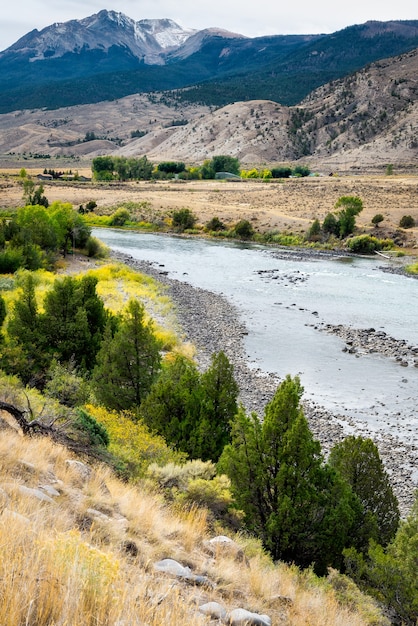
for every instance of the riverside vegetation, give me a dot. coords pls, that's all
(84, 363)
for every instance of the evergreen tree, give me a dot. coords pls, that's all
(73, 321)
(218, 407)
(172, 407)
(298, 506)
(358, 461)
(391, 574)
(22, 355)
(128, 361)
(3, 310)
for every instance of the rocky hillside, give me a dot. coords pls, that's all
(362, 121)
(85, 548)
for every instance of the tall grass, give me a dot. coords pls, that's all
(62, 565)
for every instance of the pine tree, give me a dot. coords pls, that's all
(298, 506)
(128, 361)
(172, 407)
(357, 460)
(218, 408)
(22, 353)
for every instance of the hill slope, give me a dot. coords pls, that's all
(86, 548)
(364, 120)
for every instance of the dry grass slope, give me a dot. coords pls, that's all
(85, 555)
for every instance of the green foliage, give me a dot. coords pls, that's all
(94, 432)
(377, 219)
(119, 217)
(96, 249)
(301, 170)
(193, 412)
(35, 233)
(226, 163)
(366, 244)
(3, 310)
(171, 167)
(122, 168)
(183, 219)
(244, 230)
(349, 206)
(314, 232)
(128, 360)
(69, 329)
(23, 354)
(71, 228)
(358, 462)
(73, 321)
(11, 260)
(283, 171)
(389, 169)
(132, 445)
(219, 392)
(301, 509)
(90, 206)
(172, 406)
(215, 224)
(407, 221)
(195, 483)
(330, 224)
(391, 574)
(33, 195)
(65, 385)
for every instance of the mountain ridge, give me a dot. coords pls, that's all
(109, 55)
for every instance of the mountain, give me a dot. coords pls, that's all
(108, 55)
(366, 119)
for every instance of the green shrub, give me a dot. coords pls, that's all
(66, 386)
(215, 224)
(377, 219)
(301, 170)
(95, 248)
(183, 219)
(10, 260)
(281, 172)
(407, 221)
(244, 230)
(96, 433)
(330, 224)
(366, 244)
(119, 217)
(314, 232)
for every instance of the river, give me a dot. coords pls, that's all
(285, 301)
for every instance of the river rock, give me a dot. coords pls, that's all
(241, 617)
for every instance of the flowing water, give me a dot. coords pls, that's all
(283, 301)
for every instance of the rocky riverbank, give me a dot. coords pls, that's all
(212, 324)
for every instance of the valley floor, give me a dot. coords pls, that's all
(289, 205)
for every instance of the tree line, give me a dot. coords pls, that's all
(108, 168)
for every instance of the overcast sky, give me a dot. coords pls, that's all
(248, 18)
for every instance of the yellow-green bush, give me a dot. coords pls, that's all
(132, 443)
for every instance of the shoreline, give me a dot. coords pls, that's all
(212, 324)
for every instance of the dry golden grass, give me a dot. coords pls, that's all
(285, 206)
(64, 564)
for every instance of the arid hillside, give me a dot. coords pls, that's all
(361, 122)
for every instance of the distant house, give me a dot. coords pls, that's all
(44, 177)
